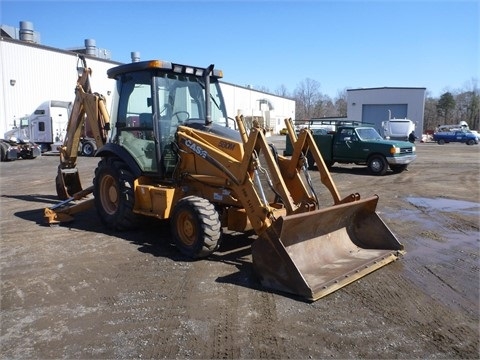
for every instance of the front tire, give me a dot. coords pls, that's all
(377, 165)
(311, 161)
(196, 227)
(397, 169)
(115, 194)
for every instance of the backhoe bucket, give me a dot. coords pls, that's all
(315, 253)
(67, 182)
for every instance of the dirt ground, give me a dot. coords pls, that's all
(81, 291)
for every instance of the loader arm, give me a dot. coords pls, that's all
(88, 109)
(303, 143)
(204, 163)
(288, 176)
(301, 248)
(239, 173)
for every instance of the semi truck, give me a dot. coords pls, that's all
(48, 123)
(47, 127)
(397, 129)
(16, 143)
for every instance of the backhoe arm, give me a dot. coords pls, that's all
(88, 109)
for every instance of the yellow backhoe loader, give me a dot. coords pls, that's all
(170, 155)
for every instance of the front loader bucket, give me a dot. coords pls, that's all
(315, 253)
(67, 182)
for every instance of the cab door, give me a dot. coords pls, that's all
(135, 124)
(347, 146)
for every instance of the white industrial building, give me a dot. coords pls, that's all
(374, 105)
(32, 73)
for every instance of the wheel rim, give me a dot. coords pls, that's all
(186, 229)
(376, 165)
(88, 149)
(109, 194)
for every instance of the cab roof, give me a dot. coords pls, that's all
(161, 65)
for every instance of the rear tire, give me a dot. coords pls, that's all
(115, 194)
(377, 165)
(441, 142)
(196, 227)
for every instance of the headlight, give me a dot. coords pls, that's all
(394, 150)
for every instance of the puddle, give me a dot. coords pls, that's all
(440, 224)
(447, 205)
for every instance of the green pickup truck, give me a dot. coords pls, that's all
(361, 145)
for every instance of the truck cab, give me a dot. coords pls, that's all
(397, 129)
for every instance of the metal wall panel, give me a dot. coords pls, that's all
(43, 73)
(31, 74)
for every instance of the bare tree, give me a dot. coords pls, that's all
(471, 101)
(324, 107)
(340, 102)
(262, 88)
(282, 91)
(307, 94)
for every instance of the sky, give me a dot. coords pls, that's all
(343, 44)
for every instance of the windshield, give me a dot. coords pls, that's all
(368, 134)
(182, 98)
(397, 127)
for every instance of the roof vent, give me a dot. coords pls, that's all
(26, 31)
(135, 55)
(91, 47)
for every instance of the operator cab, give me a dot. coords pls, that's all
(153, 99)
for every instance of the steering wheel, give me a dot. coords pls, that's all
(184, 116)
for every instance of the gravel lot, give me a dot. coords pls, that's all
(81, 291)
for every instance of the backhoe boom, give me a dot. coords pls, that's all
(89, 109)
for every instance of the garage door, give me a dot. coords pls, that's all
(375, 114)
